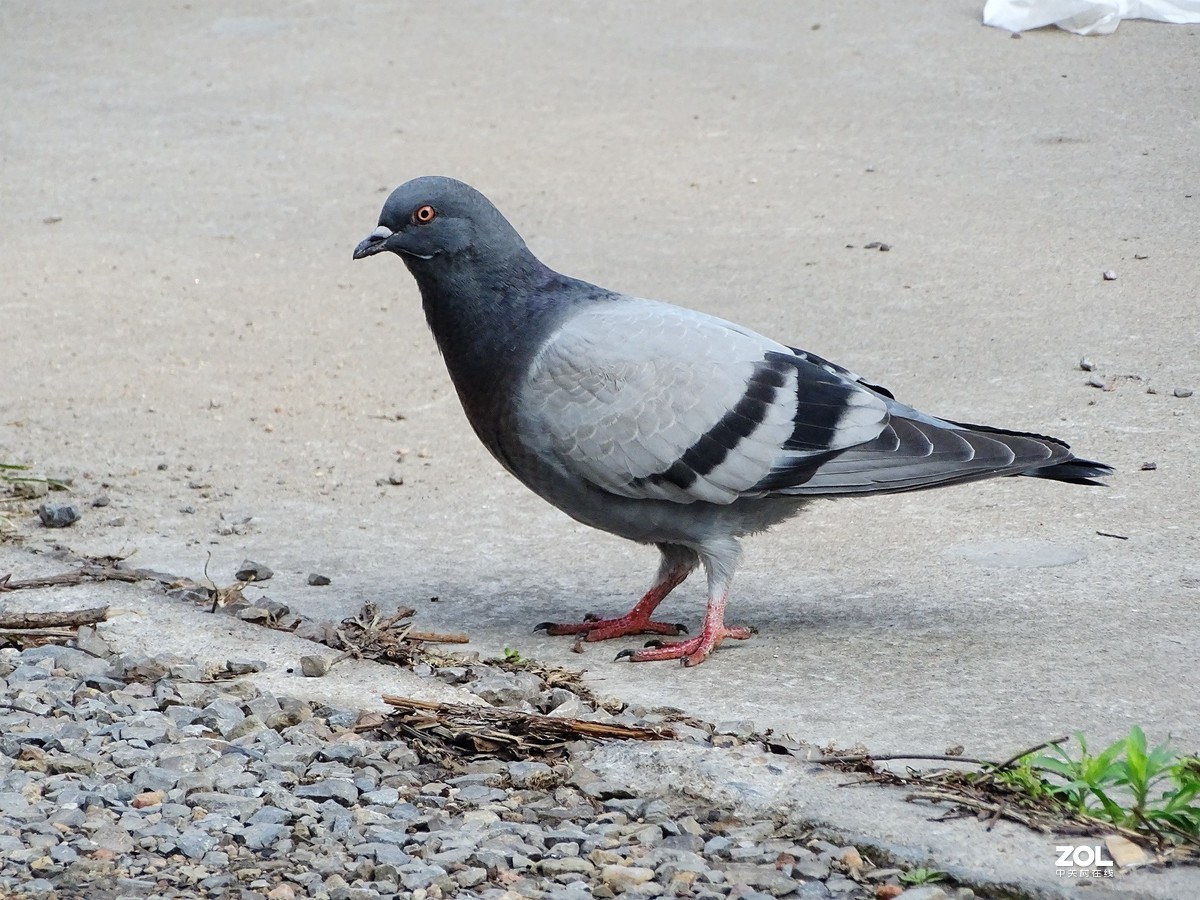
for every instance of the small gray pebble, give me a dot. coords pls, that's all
(250, 570)
(453, 674)
(811, 868)
(195, 843)
(839, 884)
(1086, 364)
(314, 666)
(339, 789)
(263, 836)
(1149, 465)
(318, 580)
(245, 666)
(269, 815)
(187, 672)
(1182, 392)
(419, 875)
(273, 608)
(1095, 381)
(340, 718)
(101, 501)
(387, 796)
(522, 772)
(507, 688)
(25, 673)
(471, 877)
(1110, 275)
(89, 641)
(58, 515)
(742, 728)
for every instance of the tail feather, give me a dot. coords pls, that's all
(1074, 471)
(918, 451)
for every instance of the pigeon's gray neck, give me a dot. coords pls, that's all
(490, 317)
(478, 306)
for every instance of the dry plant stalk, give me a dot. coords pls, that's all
(79, 576)
(447, 731)
(369, 635)
(71, 618)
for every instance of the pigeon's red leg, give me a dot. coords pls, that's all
(674, 569)
(695, 650)
(636, 621)
(720, 560)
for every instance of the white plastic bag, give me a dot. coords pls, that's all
(1086, 16)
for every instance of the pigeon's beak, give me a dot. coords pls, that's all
(375, 242)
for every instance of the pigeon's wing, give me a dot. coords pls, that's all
(647, 400)
(915, 450)
(652, 401)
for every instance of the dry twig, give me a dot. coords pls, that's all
(86, 572)
(70, 618)
(36, 637)
(447, 731)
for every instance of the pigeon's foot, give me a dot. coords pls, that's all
(691, 652)
(594, 628)
(695, 650)
(637, 620)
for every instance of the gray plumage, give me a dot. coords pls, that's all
(658, 423)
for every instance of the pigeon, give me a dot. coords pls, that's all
(658, 423)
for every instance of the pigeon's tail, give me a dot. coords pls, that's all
(1075, 471)
(1060, 465)
(917, 451)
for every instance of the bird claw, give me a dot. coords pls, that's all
(589, 621)
(690, 652)
(680, 628)
(593, 628)
(633, 655)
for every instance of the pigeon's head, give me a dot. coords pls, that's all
(433, 221)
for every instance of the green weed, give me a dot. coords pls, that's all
(921, 875)
(1129, 783)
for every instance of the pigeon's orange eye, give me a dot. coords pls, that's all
(424, 215)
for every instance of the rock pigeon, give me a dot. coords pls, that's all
(660, 424)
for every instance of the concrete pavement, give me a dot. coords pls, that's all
(187, 335)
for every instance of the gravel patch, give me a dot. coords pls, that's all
(138, 777)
